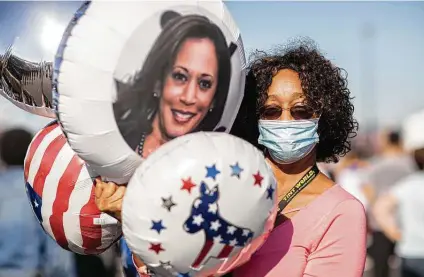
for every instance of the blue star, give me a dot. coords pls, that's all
(236, 170)
(212, 172)
(183, 275)
(270, 191)
(157, 226)
(35, 201)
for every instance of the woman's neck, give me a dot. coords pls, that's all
(288, 174)
(156, 132)
(153, 140)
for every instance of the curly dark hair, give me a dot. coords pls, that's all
(325, 88)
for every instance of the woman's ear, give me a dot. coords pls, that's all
(167, 16)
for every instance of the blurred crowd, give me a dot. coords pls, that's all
(383, 170)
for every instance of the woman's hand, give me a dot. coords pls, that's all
(109, 197)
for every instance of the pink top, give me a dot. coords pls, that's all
(327, 238)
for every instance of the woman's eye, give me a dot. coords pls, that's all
(179, 76)
(271, 112)
(302, 112)
(205, 84)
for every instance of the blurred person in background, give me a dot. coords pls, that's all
(400, 212)
(349, 174)
(25, 250)
(385, 169)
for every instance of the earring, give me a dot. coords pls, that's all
(157, 90)
(211, 109)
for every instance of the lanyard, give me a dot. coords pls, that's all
(298, 187)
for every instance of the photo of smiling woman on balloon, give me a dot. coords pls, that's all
(182, 86)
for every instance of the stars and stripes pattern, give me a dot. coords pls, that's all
(218, 231)
(60, 189)
(221, 237)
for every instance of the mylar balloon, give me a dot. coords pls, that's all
(32, 31)
(131, 75)
(60, 188)
(27, 84)
(199, 205)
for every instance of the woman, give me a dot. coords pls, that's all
(182, 88)
(304, 115)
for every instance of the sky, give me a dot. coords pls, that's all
(385, 70)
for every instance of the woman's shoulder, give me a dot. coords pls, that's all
(344, 202)
(340, 214)
(331, 207)
(337, 202)
(346, 212)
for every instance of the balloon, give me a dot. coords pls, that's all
(128, 76)
(199, 205)
(27, 84)
(32, 32)
(60, 188)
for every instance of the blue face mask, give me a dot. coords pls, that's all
(288, 141)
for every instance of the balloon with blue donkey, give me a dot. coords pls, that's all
(200, 205)
(205, 216)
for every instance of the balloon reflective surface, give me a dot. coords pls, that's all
(200, 205)
(29, 35)
(60, 188)
(130, 75)
(27, 84)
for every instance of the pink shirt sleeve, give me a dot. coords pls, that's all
(341, 251)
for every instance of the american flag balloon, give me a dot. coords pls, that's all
(60, 189)
(200, 205)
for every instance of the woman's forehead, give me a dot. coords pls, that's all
(286, 83)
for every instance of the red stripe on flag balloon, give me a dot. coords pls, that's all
(92, 233)
(47, 163)
(34, 145)
(61, 203)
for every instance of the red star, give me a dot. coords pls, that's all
(157, 247)
(187, 185)
(258, 179)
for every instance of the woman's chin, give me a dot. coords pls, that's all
(177, 132)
